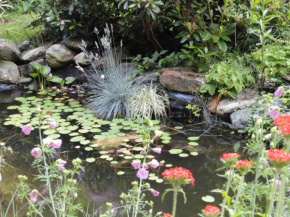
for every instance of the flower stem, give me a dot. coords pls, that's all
(46, 171)
(227, 190)
(135, 212)
(280, 203)
(272, 194)
(239, 193)
(175, 193)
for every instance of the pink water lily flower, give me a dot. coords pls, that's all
(26, 129)
(52, 123)
(60, 164)
(36, 152)
(56, 143)
(37, 109)
(157, 150)
(154, 163)
(142, 173)
(155, 193)
(33, 195)
(62, 22)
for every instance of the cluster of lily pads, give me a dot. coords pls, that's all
(88, 132)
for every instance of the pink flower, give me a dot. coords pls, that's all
(54, 88)
(155, 193)
(47, 141)
(60, 164)
(33, 195)
(278, 93)
(154, 163)
(36, 152)
(157, 150)
(26, 129)
(136, 165)
(273, 113)
(55, 143)
(52, 123)
(47, 19)
(142, 173)
(62, 22)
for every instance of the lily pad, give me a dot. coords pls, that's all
(208, 199)
(175, 151)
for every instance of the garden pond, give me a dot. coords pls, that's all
(108, 172)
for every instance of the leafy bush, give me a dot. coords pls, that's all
(228, 78)
(276, 60)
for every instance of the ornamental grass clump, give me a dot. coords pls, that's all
(114, 92)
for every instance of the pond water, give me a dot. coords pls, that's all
(100, 183)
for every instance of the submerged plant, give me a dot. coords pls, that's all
(115, 94)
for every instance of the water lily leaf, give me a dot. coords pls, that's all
(179, 127)
(104, 156)
(114, 162)
(49, 132)
(54, 136)
(183, 155)
(83, 131)
(85, 142)
(168, 165)
(208, 199)
(89, 148)
(64, 131)
(194, 153)
(193, 143)
(159, 180)
(175, 151)
(120, 173)
(138, 149)
(77, 147)
(91, 160)
(128, 157)
(138, 156)
(77, 139)
(193, 138)
(153, 178)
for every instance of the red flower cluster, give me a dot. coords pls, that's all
(278, 157)
(166, 215)
(283, 123)
(179, 174)
(230, 156)
(244, 163)
(211, 211)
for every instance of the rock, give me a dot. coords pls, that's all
(244, 99)
(75, 43)
(115, 143)
(148, 78)
(26, 69)
(25, 80)
(70, 71)
(240, 119)
(58, 55)
(82, 59)
(9, 51)
(24, 45)
(9, 72)
(4, 87)
(34, 54)
(181, 80)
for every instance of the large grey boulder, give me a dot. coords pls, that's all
(9, 51)
(58, 55)
(245, 99)
(26, 69)
(24, 46)
(82, 59)
(35, 54)
(9, 72)
(241, 119)
(75, 43)
(180, 80)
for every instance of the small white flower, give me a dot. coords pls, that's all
(103, 76)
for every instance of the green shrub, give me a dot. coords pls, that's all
(228, 78)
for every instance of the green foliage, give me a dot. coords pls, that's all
(194, 109)
(228, 78)
(275, 58)
(151, 64)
